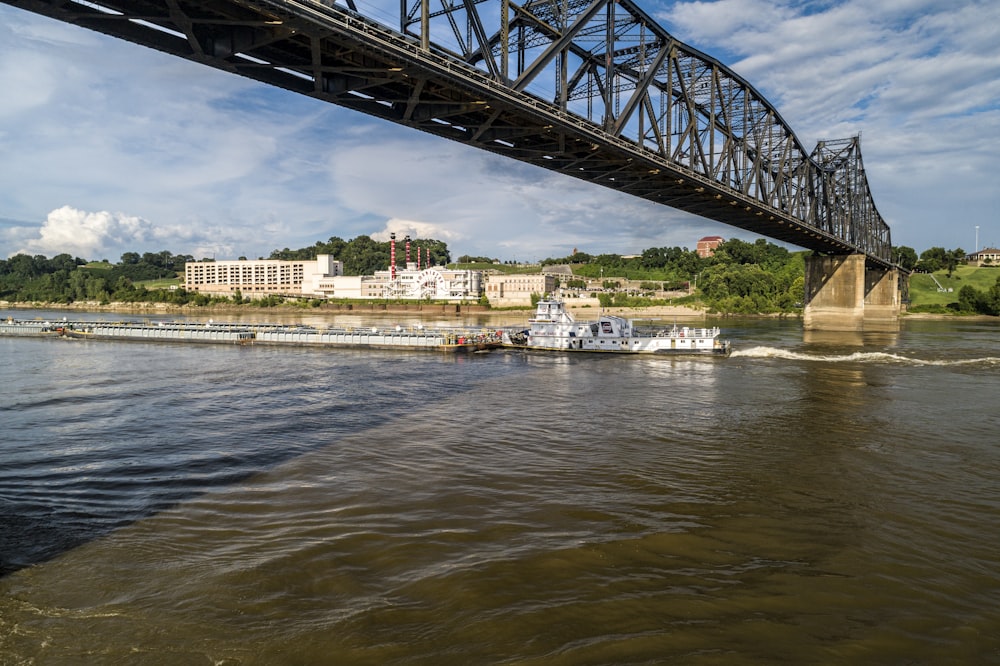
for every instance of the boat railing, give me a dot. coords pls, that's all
(677, 332)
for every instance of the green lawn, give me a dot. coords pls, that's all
(507, 269)
(162, 283)
(924, 291)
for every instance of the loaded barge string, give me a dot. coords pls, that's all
(418, 338)
(552, 328)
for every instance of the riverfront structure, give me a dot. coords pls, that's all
(435, 283)
(706, 246)
(324, 277)
(502, 289)
(989, 256)
(262, 277)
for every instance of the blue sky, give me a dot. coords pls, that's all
(109, 147)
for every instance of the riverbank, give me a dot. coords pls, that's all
(585, 311)
(230, 308)
(419, 309)
(943, 317)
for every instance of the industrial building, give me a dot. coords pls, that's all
(435, 283)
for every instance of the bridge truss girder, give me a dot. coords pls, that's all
(590, 88)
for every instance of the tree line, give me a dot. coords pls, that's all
(979, 301)
(930, 260)
(365, 256)
(66, 279)
(740, 277)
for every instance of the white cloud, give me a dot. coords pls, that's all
(107, 235)
(484, 204)
(821, 63)
(83, 234)
(413, 229)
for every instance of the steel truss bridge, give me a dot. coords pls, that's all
(594, 89)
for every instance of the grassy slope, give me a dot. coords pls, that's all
(501, 268)
(162, 283)
(923, 291)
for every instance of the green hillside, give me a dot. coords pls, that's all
(924, 291)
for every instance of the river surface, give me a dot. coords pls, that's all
(810, 500)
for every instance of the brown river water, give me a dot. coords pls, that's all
(809, 500)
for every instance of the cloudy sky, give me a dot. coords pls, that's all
(108, 147)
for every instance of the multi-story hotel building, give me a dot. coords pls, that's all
(261, 277)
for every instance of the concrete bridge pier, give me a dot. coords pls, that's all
(844, 294)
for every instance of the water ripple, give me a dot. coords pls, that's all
(861, 357)
(255, 506)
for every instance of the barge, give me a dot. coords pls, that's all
(553, 328)
(436, 339)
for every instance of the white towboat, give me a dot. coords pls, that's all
(554, 328)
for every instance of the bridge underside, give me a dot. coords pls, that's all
(846, 293)
(339, 56)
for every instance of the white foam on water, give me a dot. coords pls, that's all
(857, 357)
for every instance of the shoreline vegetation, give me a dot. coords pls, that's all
(427, 309)
(740, 279)
(361, 308)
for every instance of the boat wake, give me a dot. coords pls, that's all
(859, 357)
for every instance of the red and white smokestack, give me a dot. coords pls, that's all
(428, 256)
(407, 250)
(392, 256)
(418, 258)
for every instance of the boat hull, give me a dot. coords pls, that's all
(720, 351)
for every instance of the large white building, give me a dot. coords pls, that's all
(324, 278)
(436, 283)
(262, 277)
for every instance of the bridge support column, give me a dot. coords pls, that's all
(843, 294)
(883, 300)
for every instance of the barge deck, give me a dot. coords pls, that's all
(374, 337)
